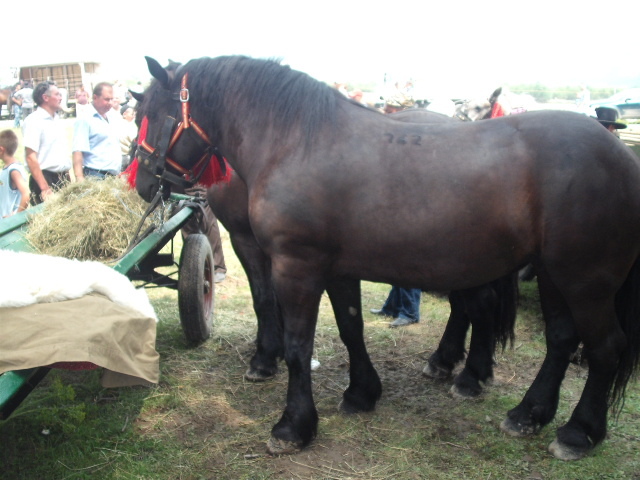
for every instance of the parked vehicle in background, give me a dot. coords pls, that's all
(69, 76)
(626, 103)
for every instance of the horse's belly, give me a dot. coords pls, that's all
(451, 262)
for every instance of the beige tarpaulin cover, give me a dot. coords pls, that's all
(53, 309)
(88, 329)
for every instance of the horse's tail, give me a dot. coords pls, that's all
(627, 304)
(506, 289)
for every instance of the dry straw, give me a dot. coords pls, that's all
(91, 220)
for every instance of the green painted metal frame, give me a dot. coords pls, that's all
(15, 386)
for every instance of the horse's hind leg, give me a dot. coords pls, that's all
(365, 387)
(604, 341)
(540, 403)
(451, 347)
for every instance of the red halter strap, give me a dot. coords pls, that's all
(187, 122)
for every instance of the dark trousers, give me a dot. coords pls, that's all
(55, 180)
(403, 303)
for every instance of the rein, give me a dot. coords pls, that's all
(154, 159)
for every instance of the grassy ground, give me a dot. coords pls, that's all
(204, 421)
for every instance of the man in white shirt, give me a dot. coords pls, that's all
(46, 147)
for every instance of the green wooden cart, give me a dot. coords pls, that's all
(194, 281)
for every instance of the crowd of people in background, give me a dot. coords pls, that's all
(104, 131)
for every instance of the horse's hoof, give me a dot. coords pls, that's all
(436, 372)
(275, 446)
(347, 408)
(463, 393)
(566, 452)
(516, 429)
(351, 408)
(257, 375)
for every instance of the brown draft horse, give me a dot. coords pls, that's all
(5, 98)
(338, 193)
(493, 304)
(490, 308)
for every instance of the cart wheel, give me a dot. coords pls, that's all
(196, 288)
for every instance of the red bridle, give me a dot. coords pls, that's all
(196, 172)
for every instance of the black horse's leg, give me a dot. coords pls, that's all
(269, 340)
(451, 347)
(480, 307)
(604, 342)
(365, 387)
(298, 288)
(540, 403)
(492, 309)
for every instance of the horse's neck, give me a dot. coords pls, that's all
(245, 142)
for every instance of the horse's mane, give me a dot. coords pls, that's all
(275, 94)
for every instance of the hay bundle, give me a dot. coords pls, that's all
(91, 220)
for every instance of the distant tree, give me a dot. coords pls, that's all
(538, 91)
(543, 93)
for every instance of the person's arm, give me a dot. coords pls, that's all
(16, 99)
(36, 173)
(80, 144)
(77, 166)
(21, 185)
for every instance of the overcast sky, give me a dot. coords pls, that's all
(449, 47)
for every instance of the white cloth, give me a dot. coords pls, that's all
(31, 278)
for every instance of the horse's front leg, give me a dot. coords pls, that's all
(298, 289)
(478, 369)
(491, 309)
(365, 387)
(451, 347)
(269, 338)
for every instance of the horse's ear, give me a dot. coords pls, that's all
(158, 72)
(494, 96)
(137, 95)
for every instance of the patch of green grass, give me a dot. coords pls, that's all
(204, 421)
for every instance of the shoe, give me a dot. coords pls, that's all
(401, 322)
(379, 311)
(219, 276)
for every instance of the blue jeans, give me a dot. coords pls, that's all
(102, 174)
(17, 115)
(403, 303)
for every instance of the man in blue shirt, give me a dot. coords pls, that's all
(96, 143)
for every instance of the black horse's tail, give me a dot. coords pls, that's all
(506, 290)
(628, 313)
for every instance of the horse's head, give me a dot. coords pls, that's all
(472, 110)
(173, 150)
